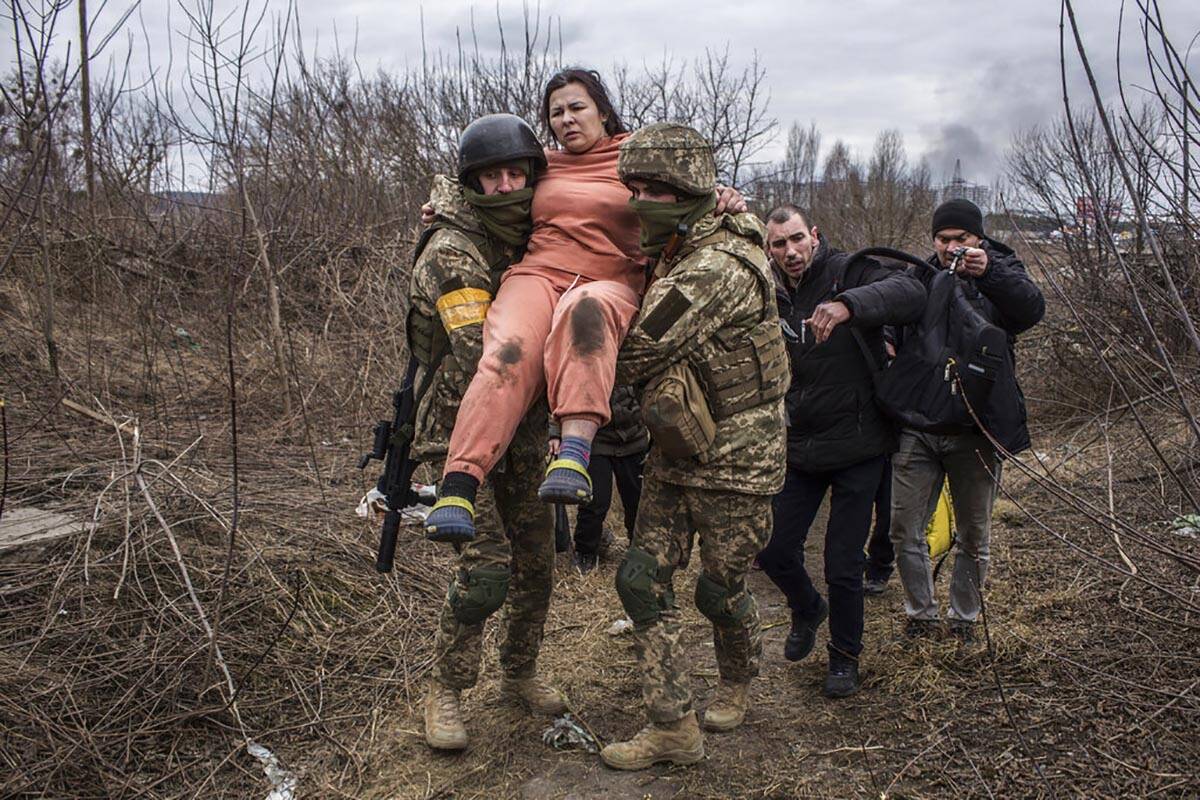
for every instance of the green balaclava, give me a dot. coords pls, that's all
(506, 217)
(661, 220)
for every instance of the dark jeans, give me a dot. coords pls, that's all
(627, 470)
(881, 556)
(853, 494)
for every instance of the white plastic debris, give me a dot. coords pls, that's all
(620, 626)
(1186, 525)
(374, 503)
(566, 733)
(283, 782)
(414, 514)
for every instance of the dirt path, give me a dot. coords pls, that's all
(794, 739)
(928, 722)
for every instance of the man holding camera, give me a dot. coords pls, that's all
(994, 281)
(837, 439)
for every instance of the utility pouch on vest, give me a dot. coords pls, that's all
(421, 332)
(676, 412)
(752, 373)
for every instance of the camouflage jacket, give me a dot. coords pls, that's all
(703, 306)
(453, 281)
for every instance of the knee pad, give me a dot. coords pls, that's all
(636, 578)
(475, 594)
(713, 599)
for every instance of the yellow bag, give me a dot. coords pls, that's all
(675, 410)
(939, 533)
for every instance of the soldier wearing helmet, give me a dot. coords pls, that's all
(481, 226)
(709, 350)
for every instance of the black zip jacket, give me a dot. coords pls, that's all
(833, 420)
(625, 434)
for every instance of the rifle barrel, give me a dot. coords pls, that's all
(387, 541)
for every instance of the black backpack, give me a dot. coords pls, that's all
(950, 352)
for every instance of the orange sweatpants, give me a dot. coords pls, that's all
(550, 328)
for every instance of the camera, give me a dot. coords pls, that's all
(956, 258)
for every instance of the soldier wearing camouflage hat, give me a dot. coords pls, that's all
(709, 349)
(482, 223)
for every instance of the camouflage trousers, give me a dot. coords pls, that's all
(732, 528)
(513, 529)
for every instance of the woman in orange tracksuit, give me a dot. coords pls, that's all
(560, 314)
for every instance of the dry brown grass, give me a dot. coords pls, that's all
(108, 689)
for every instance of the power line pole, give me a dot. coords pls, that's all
(85, 97)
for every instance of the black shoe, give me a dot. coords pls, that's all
(586, 562)
(803, 635)
(922, 628)
(962, 630)
(842, 679)
(873, 586)
(607, 540)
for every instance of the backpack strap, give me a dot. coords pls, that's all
(872, 364)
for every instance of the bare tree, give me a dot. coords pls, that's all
(885, 201)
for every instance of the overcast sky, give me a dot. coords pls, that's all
(956, 78)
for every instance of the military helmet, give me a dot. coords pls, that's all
(494, 139)
(669, 153)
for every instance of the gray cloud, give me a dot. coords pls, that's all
(956, 79)
(957, 141)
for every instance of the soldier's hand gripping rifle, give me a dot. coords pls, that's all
(392, 445)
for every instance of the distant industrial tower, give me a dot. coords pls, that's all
(977, 193)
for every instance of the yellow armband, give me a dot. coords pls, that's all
(463, 307)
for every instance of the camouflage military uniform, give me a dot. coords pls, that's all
(452, 285)
(713, 306)
(732, 528)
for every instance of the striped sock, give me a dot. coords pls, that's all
(577, 449)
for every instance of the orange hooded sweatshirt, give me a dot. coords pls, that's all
(582, 222)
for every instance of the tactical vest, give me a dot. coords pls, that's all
(747, 370)
(427, 338)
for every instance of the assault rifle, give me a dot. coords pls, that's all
(562, 529)
(392, 445)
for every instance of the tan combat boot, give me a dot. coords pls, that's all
(728, 706)
(535, 694)
(678, 742)
(443, 718)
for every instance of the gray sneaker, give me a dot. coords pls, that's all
(874, 586)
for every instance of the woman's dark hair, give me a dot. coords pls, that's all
(590, 80)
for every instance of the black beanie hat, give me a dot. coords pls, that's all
(958, 213)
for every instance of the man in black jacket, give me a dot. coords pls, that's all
(995, 283)
(837, 437)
